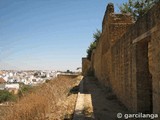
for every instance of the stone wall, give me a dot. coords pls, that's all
(86, 64)
(154, 52)
(156, 73)
(113, 28)
(135, 74)
(127, 59)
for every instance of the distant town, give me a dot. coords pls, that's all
(12, 79)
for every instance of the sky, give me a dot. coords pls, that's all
(48, 34)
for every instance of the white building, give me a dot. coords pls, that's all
(12, 86)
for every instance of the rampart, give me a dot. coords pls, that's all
(127, 59)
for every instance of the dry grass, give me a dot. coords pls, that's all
(48, 99)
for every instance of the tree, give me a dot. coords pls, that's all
(137, 7)
(25, 89)
(97, 35)
(93, 44)
(90, 49)
(68, 71)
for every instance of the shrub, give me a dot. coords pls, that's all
(92, 46)
(25, 89)
(6, 96)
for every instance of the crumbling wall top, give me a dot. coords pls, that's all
(110, 8)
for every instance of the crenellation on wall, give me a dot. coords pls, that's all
(121, 18)
(109, 10)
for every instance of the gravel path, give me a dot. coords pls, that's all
(105, 104)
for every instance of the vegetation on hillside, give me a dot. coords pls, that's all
(25, 89)
(7, 96)
(93, 44)
(46, 101)
(137, 7)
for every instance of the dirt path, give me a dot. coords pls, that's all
(105, 104)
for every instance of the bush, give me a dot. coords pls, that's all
(6, 96)
(24, 90)
(96, 37)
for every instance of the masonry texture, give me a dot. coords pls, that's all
(127, 59)
(86, 66)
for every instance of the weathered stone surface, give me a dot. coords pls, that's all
(85, 66)
(127, 58)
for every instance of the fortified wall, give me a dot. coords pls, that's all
(127, 59)
(86, 66)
